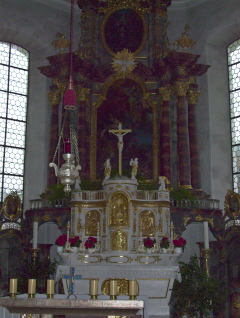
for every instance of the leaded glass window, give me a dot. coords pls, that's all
(234, 87)
(14, 62)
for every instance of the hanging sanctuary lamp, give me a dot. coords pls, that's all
(68, 174)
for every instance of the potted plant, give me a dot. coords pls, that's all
(179, 245)
(60, 242)
(42, 270)
(90, 243)
(75, 243)
(164, 244)
(149, 244)
(197, 294)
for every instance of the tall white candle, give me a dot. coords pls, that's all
(171, 229)
(205, 234)
(35, 235)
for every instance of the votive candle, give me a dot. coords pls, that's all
(132, 288)
(113, 287)
(50, 286)
(13, 286)
(94, 287)
(32, 286)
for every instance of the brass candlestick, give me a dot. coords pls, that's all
(206, 256)
(34, 255)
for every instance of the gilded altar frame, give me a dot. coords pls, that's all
(104, 33)
(155, 133)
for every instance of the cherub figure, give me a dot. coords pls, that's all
(134, 164)
(162, 182)
(107, 170)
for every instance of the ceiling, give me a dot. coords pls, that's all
(65, 4)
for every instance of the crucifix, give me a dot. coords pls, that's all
(120, 133)
(72, 277)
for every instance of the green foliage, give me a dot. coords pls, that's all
(197, 294)
(43, 269)
(55, 192)
(180, 194)
(91, 185)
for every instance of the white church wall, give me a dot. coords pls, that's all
(214, 25)
(34, 26)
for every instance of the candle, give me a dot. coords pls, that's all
(113, 287)
(35, 234)
(32, 286)
(132, 288)
(171, 229)
(50, 286)
(205, 234)
(94, 287)
(13, 286)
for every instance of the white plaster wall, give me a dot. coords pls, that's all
(34, 25)
(214, 24)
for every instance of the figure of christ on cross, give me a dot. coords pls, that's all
(120, 133)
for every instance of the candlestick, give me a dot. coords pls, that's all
(13, 287)
(93, 288)
(205, 234)
(31, 288)
(206, 256)
(35, 234)
(132, 289)
(50, 288)
(113, 289)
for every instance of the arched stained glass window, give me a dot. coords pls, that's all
(14, 64)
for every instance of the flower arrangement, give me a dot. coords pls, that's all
(180, 242)
(148, 242)
(90, 242)
(165, 243)
(61, 240)
(75, 241)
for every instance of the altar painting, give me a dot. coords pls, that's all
(125, 103)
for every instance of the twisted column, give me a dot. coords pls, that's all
(165, 133)
(83, 96)
(183, 148)
(192, 97)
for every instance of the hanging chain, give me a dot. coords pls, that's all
(60, 137)
(73, 139)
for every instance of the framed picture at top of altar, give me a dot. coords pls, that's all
(124, 28)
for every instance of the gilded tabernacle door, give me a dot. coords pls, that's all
(118, 213)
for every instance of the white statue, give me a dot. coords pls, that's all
(120, 133)
(134, 164)
(162, 182)
(107, 170)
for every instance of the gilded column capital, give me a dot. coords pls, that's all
(54, 98)
(181, 88)
(83, 94)
(192, 97)
(166, 93)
